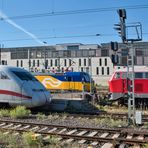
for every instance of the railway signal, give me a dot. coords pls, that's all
(114, 46)
(115, 59)
(121, 27)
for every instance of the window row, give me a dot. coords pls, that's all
(99, 70)
(46, 53)
(137, 75)
(65, 62)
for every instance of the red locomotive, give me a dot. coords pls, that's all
(119, 85)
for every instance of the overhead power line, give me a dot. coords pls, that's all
(61, 37)
(73, 36)
(81, 11)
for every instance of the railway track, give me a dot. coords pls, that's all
(115, 116)
(104, 138)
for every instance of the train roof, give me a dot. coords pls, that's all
(59, 74)
(136, 69)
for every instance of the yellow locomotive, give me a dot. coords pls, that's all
(68, 81)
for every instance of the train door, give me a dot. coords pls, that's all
(117, 83)
(126, 82)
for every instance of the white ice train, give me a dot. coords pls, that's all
(19, 87)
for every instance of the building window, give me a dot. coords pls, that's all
(46, 63)
(85, 53)
(84, 62)
(79, 53)
(70, 63)
(65, 62)
(17, 63)
(51, 64)
(73, 47)
(38, 63)
(55, 54)
(124, 60)
(100, 62)
(97, 70)
(89, 62)
(105, 62)
(56, 62)
(49, 54)
(79, 62)
(107, 70)
(29, 63)
(73, 53)
(4, 62)
(21, 63)
(91, 53)
(81, 69)
(104, 52)
(13, 55)
(102, 70)
(139, 52)
(33, 62)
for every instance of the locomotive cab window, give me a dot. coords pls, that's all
(86, 78)
(117, 75)
(125, 75)
(138, 75)
(24, 76)
(146, 75)
(3, 75)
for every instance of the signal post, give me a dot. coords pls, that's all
(122, 28)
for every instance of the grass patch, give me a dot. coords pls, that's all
(19, 112)
(145, 146)
(4, 113)
(40, 116)
(113, 109)
(52, 140)
(30, 139)
(110, 122)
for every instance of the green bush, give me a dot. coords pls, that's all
(53, 140)
(19, 112)
(4, 113)
(10, 140)
(30, 139)
(40, 116)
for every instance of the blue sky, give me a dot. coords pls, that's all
(57, 25)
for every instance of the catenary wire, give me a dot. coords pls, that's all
(56, 13)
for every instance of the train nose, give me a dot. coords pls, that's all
(39, 98)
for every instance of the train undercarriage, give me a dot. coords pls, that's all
(140, 103)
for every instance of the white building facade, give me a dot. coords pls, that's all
(91, 58)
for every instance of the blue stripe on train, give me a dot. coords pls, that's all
(72, 76)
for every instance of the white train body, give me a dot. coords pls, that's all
(19, 87)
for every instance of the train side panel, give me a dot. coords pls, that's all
(63, 82)
(119, 85)
(116, 86)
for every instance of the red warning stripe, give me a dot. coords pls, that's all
(7, 92)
